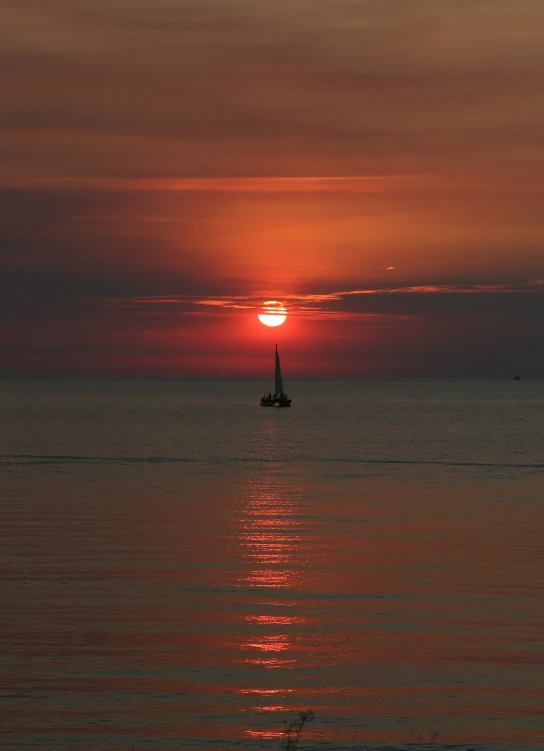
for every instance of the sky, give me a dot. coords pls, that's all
(375, 165)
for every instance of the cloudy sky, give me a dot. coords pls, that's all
(376, 165)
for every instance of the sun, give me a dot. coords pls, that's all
(274, 313)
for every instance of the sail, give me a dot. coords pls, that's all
(278, 382)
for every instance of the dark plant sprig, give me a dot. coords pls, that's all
(293, 729)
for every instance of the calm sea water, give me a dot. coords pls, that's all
(180, 568)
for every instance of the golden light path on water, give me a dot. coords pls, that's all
(272, 539)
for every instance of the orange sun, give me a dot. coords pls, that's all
(274, 313)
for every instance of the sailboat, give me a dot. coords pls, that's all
(278, 398)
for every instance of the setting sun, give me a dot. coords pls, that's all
(273, 314)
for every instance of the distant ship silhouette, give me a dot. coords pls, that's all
(517, 378)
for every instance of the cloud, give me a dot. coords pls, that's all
(207, 86)
(340, 305)
(274, 184)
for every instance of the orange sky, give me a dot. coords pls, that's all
(189, 151)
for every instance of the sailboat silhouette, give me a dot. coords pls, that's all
(278, 398)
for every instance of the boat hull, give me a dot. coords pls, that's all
(276, 403)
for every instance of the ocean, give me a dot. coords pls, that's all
(180, 568)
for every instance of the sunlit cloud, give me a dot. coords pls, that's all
(263, 184)
(317, 305)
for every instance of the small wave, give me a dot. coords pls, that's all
(41, 459)
(30, 459)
